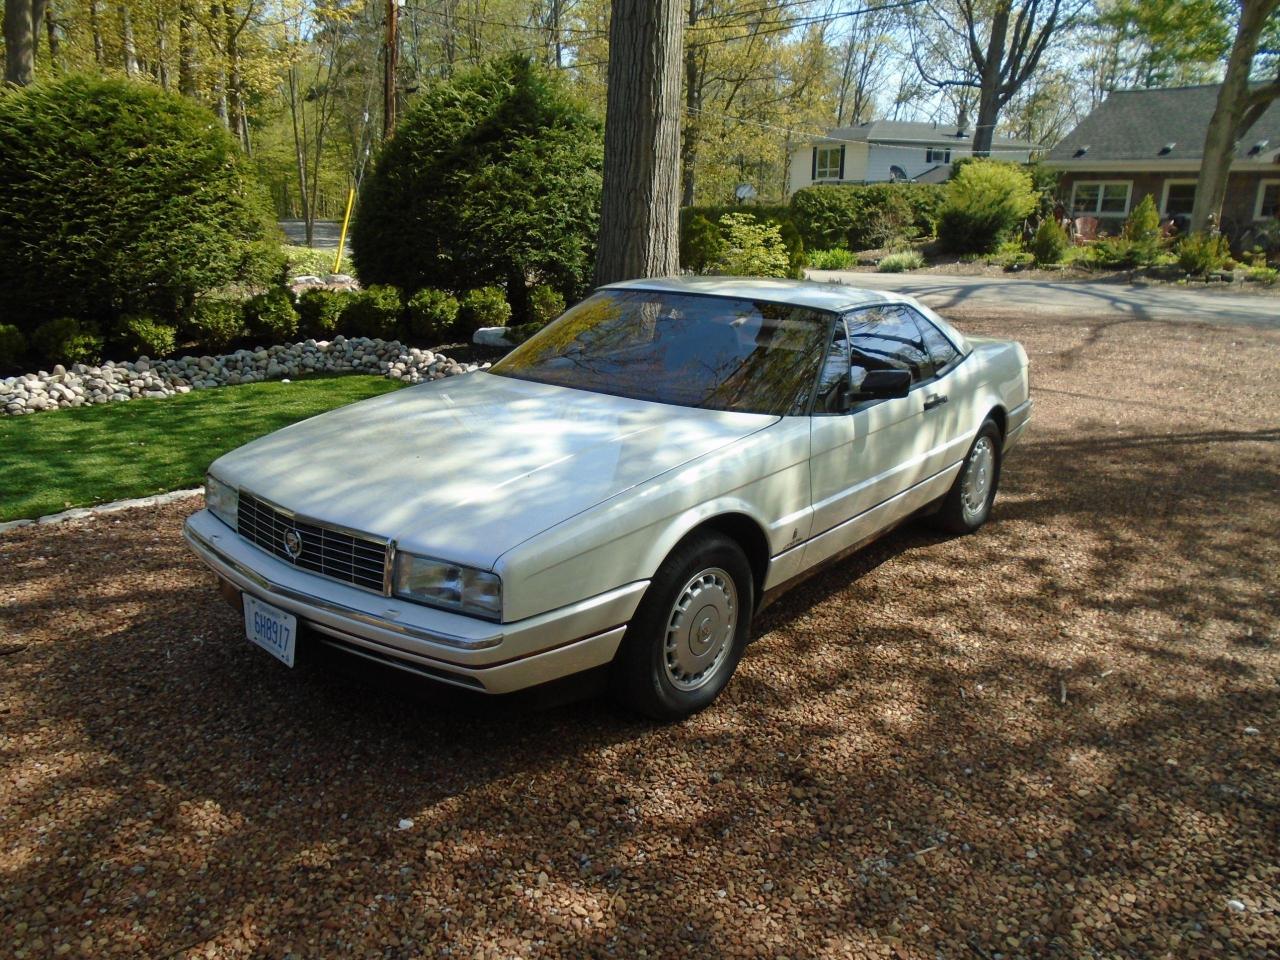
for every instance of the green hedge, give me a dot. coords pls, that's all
(493, 178)
(865, 216)
(705, 237)
(985, 202)
(118, 199)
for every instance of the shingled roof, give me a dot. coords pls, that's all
(908, 131)
(1141, 125)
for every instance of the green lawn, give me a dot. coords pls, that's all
(72, 458)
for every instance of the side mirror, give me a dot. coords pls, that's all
(882, 385)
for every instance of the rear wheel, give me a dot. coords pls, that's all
(968, 503)
(689, 632)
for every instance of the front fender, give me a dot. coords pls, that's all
(765, 478)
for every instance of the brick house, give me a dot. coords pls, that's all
(1142, 142)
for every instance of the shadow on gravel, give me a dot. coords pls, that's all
(1026, 742)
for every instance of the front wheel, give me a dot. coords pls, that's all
(968, 503)
(689, 632)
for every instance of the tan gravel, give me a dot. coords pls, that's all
(1055, 738)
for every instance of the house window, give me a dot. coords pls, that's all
(937, 155)
(1179, 198)
(826, 163)
(1268, 205)
(1101, 198)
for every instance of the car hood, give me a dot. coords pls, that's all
(468, 467)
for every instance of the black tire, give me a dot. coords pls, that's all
(957, 513)
(645, 671)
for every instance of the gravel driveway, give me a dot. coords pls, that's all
(1055, 738)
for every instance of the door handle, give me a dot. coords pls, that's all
(934, 400)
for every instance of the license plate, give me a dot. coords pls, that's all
(271, 628)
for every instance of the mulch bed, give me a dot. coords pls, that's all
(1057, 737)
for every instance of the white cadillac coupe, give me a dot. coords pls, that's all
(623, 491)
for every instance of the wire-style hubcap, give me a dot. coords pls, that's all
(700, 629)
(978, 476)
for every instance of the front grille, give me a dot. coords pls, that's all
(358, 560)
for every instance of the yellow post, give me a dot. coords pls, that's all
(342, 240)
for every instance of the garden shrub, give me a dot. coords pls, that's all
(1045, 181)
(700, 243)
(751, 248)
(13, 346)
(865, 216)
(1113, 252)
(118, 198)
(885, 216)
(1257, 274)
(985, 201)
(1050, 243)
(926, 201)
(1139, 242)
(835, 258)
(823, 214)
(546, 303)
(306, 261)
(1202, 253)
(901, 262)
(493, 177)
(320, 310)
(1142, 230)
(432, 314)
(372, 312)
(140, 336)
(271, 315)
(485, 307)
(67, 340)
(523, 331)
(797, 259)
(216, 322)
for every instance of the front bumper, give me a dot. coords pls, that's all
(449, 647)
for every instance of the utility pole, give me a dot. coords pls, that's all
(391, 58)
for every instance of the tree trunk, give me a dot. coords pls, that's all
(235, 99)
(51, 28)
(989, 91)
(19, 42)
(639, 211)
(300, 151)
(39, 8)
(693, 104)
(1233, 113)
(95, 27)
(162, 50)
(187, 51)
(127, 42)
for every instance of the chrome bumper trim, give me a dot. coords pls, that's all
(508, 677)
(209, 552)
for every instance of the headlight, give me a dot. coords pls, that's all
(222, 500)
(448, 585)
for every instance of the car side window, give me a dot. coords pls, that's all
(942, 351)
(834, 376)
(886, 338)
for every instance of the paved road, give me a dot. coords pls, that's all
(325, 236)
(1077, 297)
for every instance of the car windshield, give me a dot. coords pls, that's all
(718, 353)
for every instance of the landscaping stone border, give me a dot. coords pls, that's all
(115, 506)
(110, 382)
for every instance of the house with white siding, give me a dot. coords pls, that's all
(882, 150)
